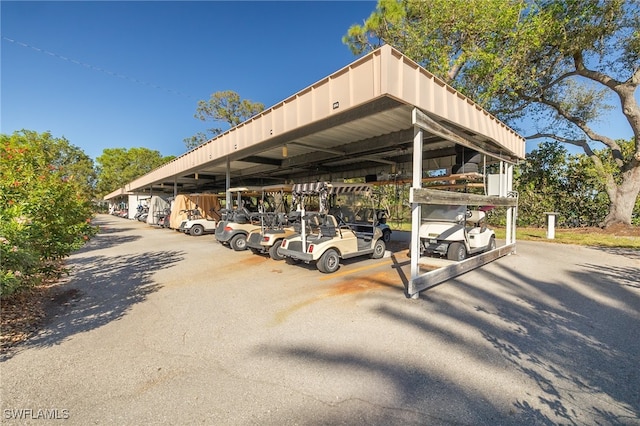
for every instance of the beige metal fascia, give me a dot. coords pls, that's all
(353, 85)
(413, 85)
(117, 193)
(383, 72)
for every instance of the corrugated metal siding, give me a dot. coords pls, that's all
(414, 85)
(382, 72)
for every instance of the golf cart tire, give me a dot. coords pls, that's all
(329, 262)
(196, 230)
(273, 251)
(386, 236)
(492, 244)
(456, 252)
(378, 249)
(238, 242)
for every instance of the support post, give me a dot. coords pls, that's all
(415, 207)
(504, 188)
(229, 204)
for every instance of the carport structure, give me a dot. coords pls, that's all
(382, 115)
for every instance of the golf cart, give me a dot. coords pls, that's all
(333, 233)
(236, 223)
(275, 222)
(454, 232)
(195, 223)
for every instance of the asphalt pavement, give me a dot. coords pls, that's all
(165, 328)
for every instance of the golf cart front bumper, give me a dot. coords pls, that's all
(184, 226)
(434, 246)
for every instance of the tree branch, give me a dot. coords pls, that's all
(597, 76)
(616, 152)
(585, 147)
(559, 79)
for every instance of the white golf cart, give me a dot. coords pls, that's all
(274, 221)
(335, 233)
(454, 232)
(237, 222)
(196, 223)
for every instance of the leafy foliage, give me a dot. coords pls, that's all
(223, 106)
(551, 180)
(559, 63)
(45, 205)
(119, 166)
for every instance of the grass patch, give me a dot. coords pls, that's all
(579, 236)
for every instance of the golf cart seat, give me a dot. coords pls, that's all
(311, 219)
(241, 215)
(476, 219)
(328, 227)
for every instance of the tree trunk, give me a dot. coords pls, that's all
(623, 199)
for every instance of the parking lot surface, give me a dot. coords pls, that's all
(165, 328)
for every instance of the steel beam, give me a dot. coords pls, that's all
(440, 275)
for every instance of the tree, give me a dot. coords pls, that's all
(540, 182)
(45, 205)
(119, 166)
(222, 106)
(552, 180)
(559, 63)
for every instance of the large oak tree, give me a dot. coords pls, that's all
(562, 64)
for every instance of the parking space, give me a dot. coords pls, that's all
(168, 328)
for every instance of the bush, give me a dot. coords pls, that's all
(45, 207)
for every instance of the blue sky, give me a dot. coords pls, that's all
(129, 74)
(169, 55)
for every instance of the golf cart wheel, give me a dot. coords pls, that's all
(239, 242)
(329, 262)
(492, 243)
(456, 252)
(386, 236)
(273, 251)
(197, 230)
(378, 249)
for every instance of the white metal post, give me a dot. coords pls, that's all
(415, 207)
(506, 175)
(228, 185)
(512, 212)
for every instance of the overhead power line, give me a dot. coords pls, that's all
(102, 70)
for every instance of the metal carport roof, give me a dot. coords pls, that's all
(355, 122)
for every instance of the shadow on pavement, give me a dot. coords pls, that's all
(101, 289)
(576, 342)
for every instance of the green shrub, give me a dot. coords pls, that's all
(45, 207)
